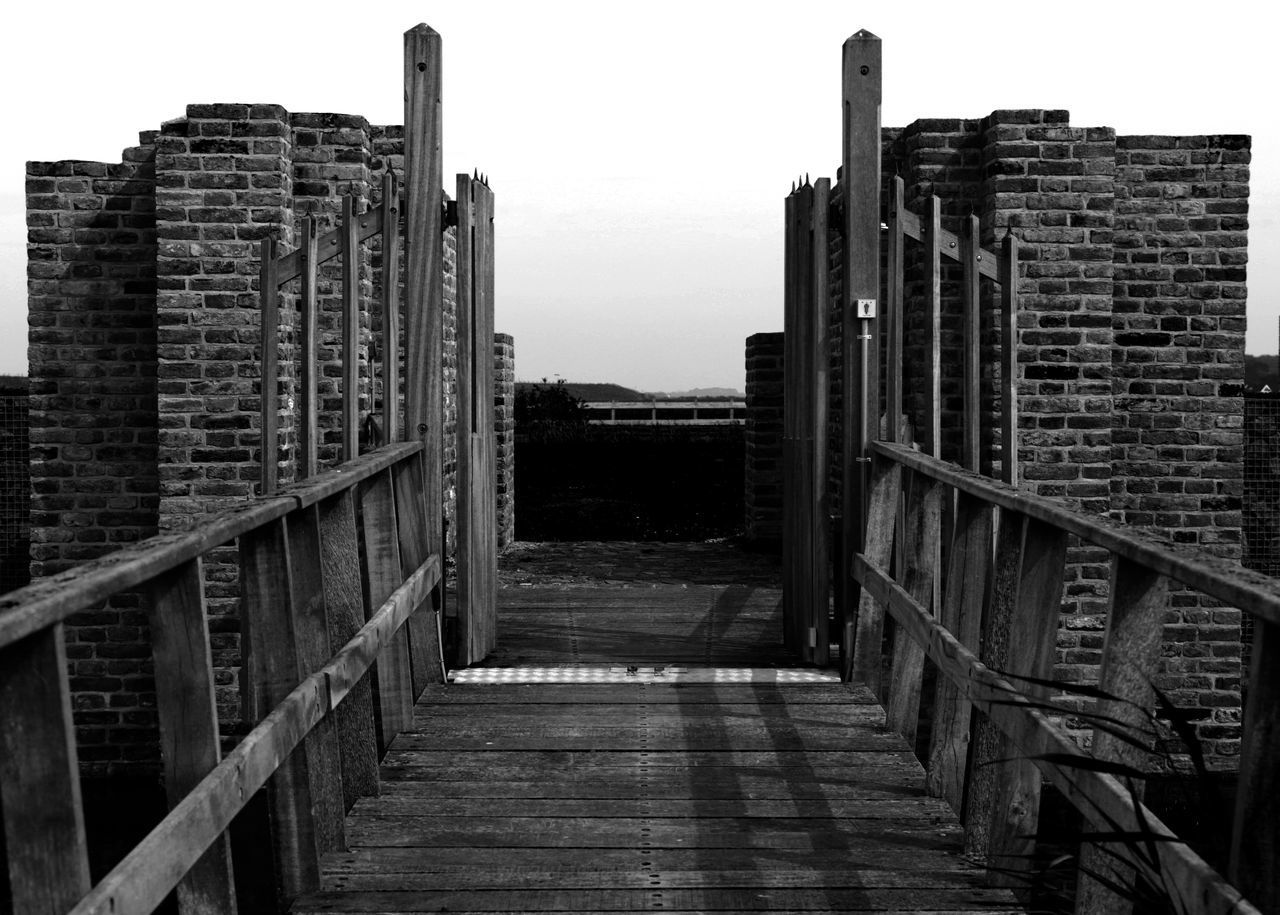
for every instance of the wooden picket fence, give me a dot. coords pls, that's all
(988, 618)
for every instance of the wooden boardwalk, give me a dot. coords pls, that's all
(705, 786)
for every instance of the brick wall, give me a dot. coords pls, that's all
(92, 352)
(764, 438)
(1179, 320)
(1130, 353)
(504, 428)
(145, 347)
(15, 484)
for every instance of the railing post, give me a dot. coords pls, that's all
(1019, 637)
(391, 430)
(271, 658)
(269, 364)
(968, 572)
(1130, 658)
(308, 437)
(340, 569)
(426, 661)
(381, 554)
(350, 329)
(311, 636)
(39, 777)
(923, 529)
(424, 270)
(860, 181)
(189, 721)
(864, 664)
(1255, 844)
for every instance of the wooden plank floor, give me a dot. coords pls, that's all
(647, 794)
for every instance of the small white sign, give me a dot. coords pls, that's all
(866, 308)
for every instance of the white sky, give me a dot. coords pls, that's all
(640, 153)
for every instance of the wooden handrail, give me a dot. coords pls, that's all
(1025, 583)
(288, 546)
(1253, 592)
(1099, 796)
(51, 600)
(154, 867)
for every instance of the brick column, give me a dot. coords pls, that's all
(223, 180)
(504, 420)
(91, 287)
(764, 438)
(1180, 256)
(1053, 186)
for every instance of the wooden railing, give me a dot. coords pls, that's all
(993, 646)
(666, 412)
(309, 638)
(988, 617)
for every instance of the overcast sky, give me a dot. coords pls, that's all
(639, 153)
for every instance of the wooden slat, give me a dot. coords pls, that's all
(737, 824)
(895, 265)
(932, 419)
(818, 513)
(340, 569)
(188, 721)
(1222, 579)
(1031, 642)
(972, 388)
(465, 282)
(487, 461)
(968, 571)
(1255, 842)
(308, 435)
(1130, 658)
(329, 245)
(269, 372)
(1190, 882)
(426, 663)
(881, 511)
(153, 868)
(1009, 360)
(382, 575)
(424, 268)
(990, 745)
(39, 779)
(390, 212)
(272, 662)
(311, 638)
(861, 76)
(919, 546)
(350, 330)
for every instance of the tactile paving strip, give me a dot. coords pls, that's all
(488, 675)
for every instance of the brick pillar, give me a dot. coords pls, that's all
(331, 157)
(764, 438)
(223, 180)
(1052, 185)
(91, 286)
(1180, 255)
(504, 420)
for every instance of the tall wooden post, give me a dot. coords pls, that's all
(424, 269)
(859, 351)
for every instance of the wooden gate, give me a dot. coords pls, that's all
(477, 448)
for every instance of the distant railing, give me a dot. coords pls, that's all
(666, 412)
